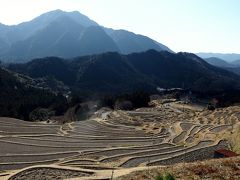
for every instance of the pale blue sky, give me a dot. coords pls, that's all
(182, 25)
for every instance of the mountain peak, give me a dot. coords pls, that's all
(57, 11)
(48, 17)
(81, 18)
(68, 34)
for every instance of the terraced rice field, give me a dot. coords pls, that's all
(120, 140)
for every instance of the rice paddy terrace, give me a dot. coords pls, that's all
(162, 135)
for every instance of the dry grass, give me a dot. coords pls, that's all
(228, 168)
(233, 138)
(219, 116)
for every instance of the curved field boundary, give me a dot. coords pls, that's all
(52, 171)
(116, 125)
(100, 125)
(201, 129)
(24, 134)
(204, 127)
(115, 151)
(23, 129)
(49, 147)
(109, 133)
(69, 139)
(190, 133)
(134, 161)
(35, 157)
(109, 125)
(73, 141)
(81, 144)
(220, 128)
(186, 125)
(26, 124)
(79, 162)
(194, 130)
(93, 167)
(30, 126)
(140, 153)
(20, 165)
(189, 156)
(55, 136)
(123, 153)
(180, 137)
(32, 162)
(189, 139)
(105, 125)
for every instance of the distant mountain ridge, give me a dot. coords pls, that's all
(67, 35)
(233, 66)
(226, 57)
(128, 42)
(113, 72)
(218, 62)
(236, 62)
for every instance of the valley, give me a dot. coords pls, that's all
(109, 99)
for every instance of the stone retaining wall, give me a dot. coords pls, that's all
(199, 154)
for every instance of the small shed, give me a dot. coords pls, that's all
(224, 153)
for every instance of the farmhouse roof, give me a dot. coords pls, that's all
(226, 153)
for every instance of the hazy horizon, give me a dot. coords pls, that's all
(189, 25)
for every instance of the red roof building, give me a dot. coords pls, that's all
(221, 153)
